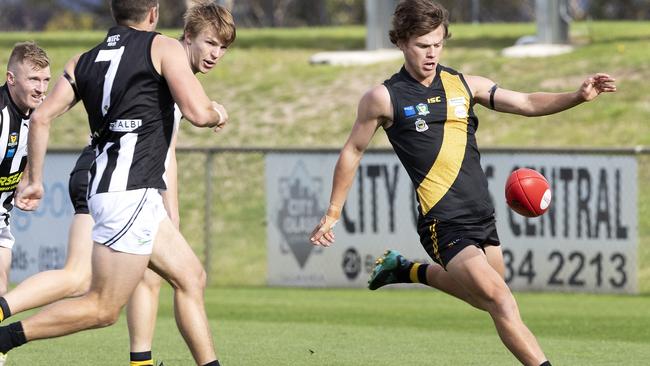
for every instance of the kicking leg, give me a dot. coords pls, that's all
(395, 268)
(438, 278)
(175, 261)
(471, 269)
(432, 275)
(72, 280)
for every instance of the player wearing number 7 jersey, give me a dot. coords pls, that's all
(128, 85)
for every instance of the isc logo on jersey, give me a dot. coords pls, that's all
(125, 125)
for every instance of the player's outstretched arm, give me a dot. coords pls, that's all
(374, 109)
(59, 101)
(538, 103)
(170, 60)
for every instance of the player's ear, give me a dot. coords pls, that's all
(11, 78)
(154, 14)
(187, 38)
(401, 44)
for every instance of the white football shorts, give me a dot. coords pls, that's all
(6, 238)
(127, 221)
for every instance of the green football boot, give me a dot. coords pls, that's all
(386, 268)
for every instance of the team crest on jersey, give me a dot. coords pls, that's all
(423, 109)
(13, 140)
(409, 111)
(421, 125)
(11, 145)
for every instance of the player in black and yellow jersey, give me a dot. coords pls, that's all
(426, 112)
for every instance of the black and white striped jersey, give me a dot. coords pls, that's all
(14, 128)
(130, 111)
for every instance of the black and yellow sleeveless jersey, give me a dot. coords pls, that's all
(433, 136)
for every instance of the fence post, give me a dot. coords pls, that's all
(207, 232)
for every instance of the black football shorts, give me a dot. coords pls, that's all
(444, 240)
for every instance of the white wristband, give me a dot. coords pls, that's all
(220, 115)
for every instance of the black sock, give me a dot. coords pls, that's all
(545, 363)
(11, 336)
(213, 363)
(4, 309)
(413, 273)
(141, 359)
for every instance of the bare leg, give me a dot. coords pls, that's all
(440, 279)
(470, 268)
(495, 259)
(141, 312)
(72, 280)
(5, 266)
(114, 278)
(173, 259)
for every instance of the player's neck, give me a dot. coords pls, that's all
(144, 26)
(22, 109)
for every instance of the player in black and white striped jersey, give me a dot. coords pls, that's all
(28, 76)
(130, 110)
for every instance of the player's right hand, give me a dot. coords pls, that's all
(222, 113)
(29, 197)
(322, 235)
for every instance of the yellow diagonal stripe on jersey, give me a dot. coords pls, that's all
(445, 169)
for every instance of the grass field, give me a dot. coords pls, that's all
(300, 327)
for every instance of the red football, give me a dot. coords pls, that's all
(528, 192)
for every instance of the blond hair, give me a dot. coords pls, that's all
(28, 51)
(204, 14)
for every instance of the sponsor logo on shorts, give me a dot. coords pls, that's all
(146, 239)
(125, 125)
(453, 243)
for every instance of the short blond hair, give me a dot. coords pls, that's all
(204, 14)
(28, 51)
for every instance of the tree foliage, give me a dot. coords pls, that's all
(79, 14)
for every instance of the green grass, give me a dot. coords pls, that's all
(276, 98)
(262, 326)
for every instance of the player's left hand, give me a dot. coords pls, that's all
(596, 84)
(29, 197)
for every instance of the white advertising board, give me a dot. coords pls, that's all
(41, 236)
(586, 242)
